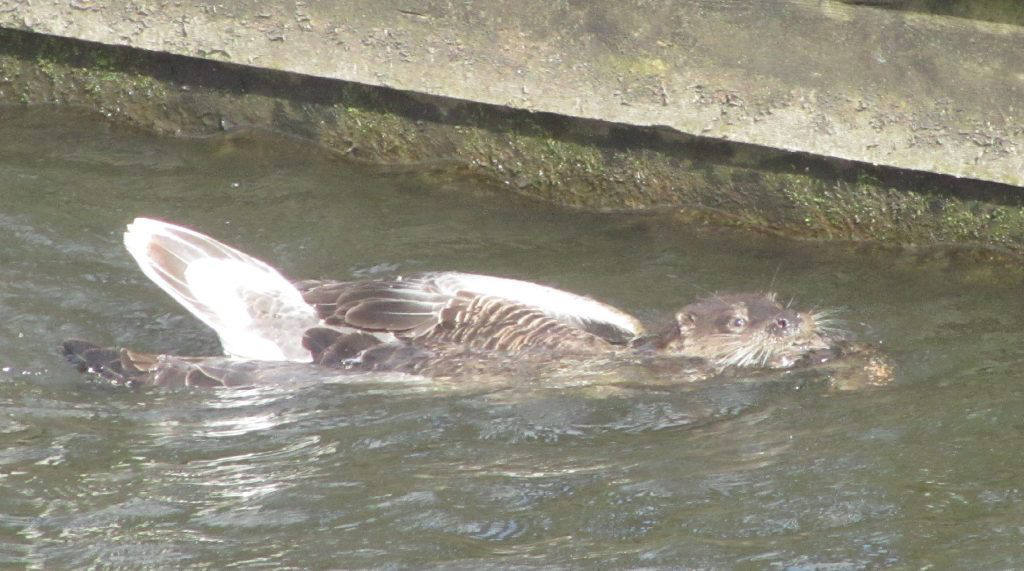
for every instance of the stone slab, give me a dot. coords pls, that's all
(907, 90)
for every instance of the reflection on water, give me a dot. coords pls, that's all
(380, 470)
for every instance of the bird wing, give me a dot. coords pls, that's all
(256, 312)
(471, 310)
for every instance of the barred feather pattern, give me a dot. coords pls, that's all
(493, 324)
(411, 309)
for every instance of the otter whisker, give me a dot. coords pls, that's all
(824, 320)
(833, 324)
(743, 354)
(825, 313)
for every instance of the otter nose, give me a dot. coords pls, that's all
(785, 323)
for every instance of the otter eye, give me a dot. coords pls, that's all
(737, 323)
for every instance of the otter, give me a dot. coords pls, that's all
(429, 324)
(747, 330)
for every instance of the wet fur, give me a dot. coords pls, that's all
(772, 335)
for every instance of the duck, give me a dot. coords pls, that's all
(429, 323)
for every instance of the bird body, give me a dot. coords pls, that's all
(424, 323)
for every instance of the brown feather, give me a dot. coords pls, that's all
(391, 315)
(331, 348)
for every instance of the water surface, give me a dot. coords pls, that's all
(738, 472)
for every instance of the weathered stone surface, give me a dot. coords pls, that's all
(856, 82)
(566, 161)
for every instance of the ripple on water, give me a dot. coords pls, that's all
(581, 465)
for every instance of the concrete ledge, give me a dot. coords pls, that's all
(907, 90)
(572, 162)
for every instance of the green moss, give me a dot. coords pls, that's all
(569, 162)
(1002, 11)
(635, 65)
(1005, 11)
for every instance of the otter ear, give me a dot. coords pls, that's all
(686, 321)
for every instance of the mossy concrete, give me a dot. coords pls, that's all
(571, 162)
(1002, 11)
(907, 88)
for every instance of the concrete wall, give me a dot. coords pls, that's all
(903, 89)
(646, 101)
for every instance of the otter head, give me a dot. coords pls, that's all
(744, 330)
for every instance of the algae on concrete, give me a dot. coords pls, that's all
(906, 89)
(576, 163)
(1002, 11)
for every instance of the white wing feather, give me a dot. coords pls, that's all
(562, 305)
(256, 312)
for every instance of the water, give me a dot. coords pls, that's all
(741, 472)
